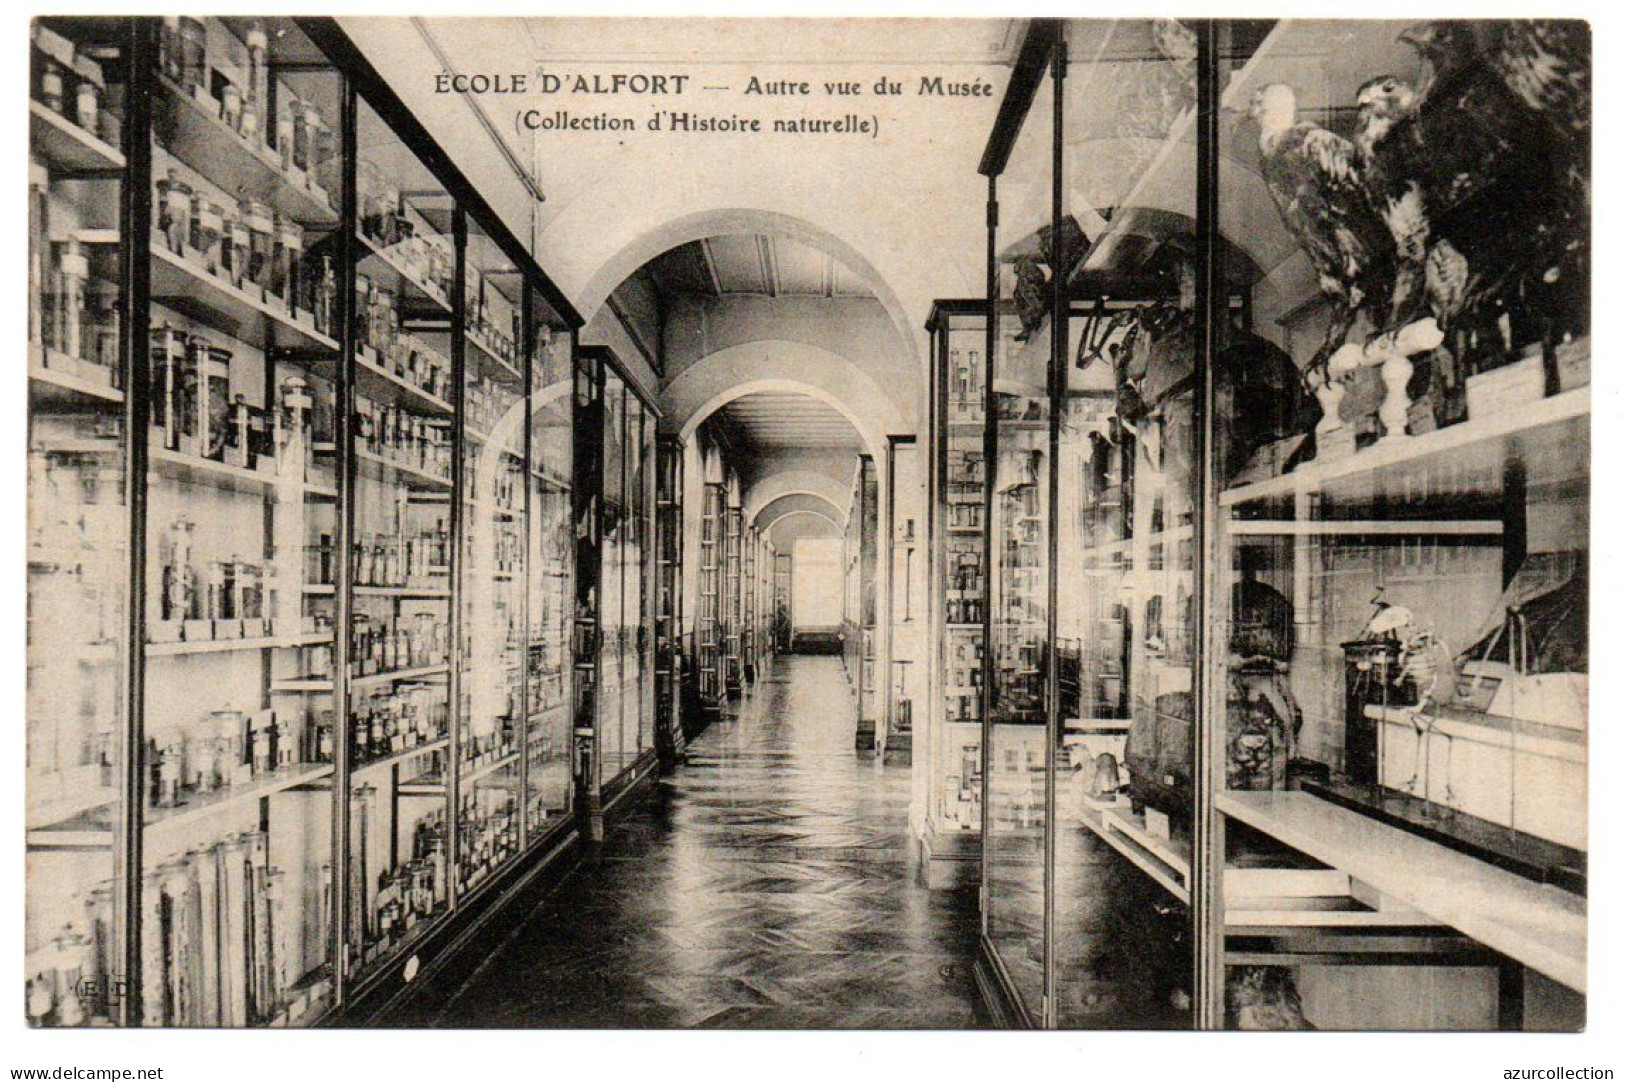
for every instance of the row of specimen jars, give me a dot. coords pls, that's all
(232, 81)
(69, 81)
(404, 438)
(228, 954)
(386, 644)
(395, 718)
(493, 323)
(401, 353)
(499, 736)
(195, 413)
(247, 245)
(192, 757)
(408, 557)
(424, 254)
(488, 831)
(73, 316)
(407, 893)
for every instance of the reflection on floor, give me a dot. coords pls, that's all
(767, 885)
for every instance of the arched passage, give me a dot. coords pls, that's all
(778, 367)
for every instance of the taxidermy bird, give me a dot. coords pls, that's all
(1478, 170)
(1313, 177)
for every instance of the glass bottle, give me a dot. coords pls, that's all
(88, 105)
(236, 245)
(174, 211)
(194, 54)
(285, 122)
(39, 233)
(53, 86)
(288, 251)
(258, 89)
(231, 106)
(260, 220)
(73, 268)
(206, 225)
(169, 47)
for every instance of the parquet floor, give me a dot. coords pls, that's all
(768, 884)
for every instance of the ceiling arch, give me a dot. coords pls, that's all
(614, 232)
(790, 528)
(775, 486)
(780, 367)
(796, 503)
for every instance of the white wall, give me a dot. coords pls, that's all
(817, 583)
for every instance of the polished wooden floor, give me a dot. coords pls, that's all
(768, 884)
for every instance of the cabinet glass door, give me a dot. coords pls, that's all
(1125, 527)
(1402, 664)
(403, 543)
(490, 678)
(959, 572)
(640, 588)
(613, 757)
(242, 495)
(78, 524)
(547, 645)
(1018, 617)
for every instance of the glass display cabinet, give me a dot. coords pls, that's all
(733, 594)
(548, 579)
(670, 660)
(83, 466)
(1287, 597)
(859, 619)
(278, 381)
(709, 628)
(949, 742)
(748, 600)
(625, 656)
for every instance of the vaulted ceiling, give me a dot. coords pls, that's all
(752, 265)
(764, 423)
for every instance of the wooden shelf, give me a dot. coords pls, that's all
(221, 646)
(66, 146)
(491, 359)
(470, 775)
(1364, 528)
(192, 291)
(192, 470)
(1542, 927)
(416, 479)
(1410, 452)
(160, 820)
(51, 379)
(379, 263)
(1255, 898)
(377, 382)
(192, 131)
(320, 684)
(401, 756)
(430, 593)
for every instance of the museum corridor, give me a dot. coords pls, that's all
(768, 884)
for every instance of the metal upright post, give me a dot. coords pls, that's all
(1057, 404)
(1207, 864)
(135, 271)
(344, 541)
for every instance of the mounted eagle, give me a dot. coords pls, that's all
(1480, 174)
(1313, 177)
